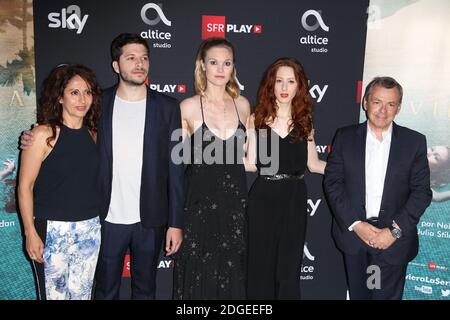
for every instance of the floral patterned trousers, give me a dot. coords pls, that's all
(70, 258)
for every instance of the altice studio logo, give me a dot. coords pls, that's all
(159, 17)
(319, 21)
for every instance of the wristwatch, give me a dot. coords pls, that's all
(396, 232)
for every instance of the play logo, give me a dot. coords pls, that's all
(257, 28)
(168, 88)
(323, 148)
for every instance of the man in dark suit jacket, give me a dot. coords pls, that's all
(377, 182)
(142, 187)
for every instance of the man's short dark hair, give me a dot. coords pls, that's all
(124, 39)
(385, 82)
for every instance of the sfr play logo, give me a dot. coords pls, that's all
(216, 26)
(213, 26)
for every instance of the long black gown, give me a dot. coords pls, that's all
(277, 222)
(211, 261)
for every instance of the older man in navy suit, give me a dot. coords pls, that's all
(377, 182)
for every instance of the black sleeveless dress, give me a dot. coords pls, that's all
(277, 221)
(211, 261)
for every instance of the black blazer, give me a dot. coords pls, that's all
(406, 192)
(162, 194)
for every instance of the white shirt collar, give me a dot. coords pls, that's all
(386, 134)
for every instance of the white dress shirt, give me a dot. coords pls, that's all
(377, 156)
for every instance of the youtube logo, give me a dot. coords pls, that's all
(181, 88)
(257, 28)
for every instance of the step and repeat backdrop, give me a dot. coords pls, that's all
(327, 37)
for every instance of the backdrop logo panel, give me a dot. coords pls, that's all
(434, 266)
(164, 263)
(168, 88)
(323, 148)
(307, 269)
(312, 206)
(315, 39)
(318, 92)
(216, 26)
(319, 21)
(426, 285)
(213, 26)
(69, 18)
(160, 15)
(159, 39)
(177, 29)
(126, 271)
(7, 224)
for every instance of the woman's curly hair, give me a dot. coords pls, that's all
(50, 109)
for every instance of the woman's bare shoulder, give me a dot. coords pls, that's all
(243, 106)
(189, 102)
(243, 101)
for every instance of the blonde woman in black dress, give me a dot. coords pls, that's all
(211, 261)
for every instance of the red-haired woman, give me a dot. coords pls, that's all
(280, 148)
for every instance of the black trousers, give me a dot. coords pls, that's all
(276, 236)
(145, 246)
(370, 277)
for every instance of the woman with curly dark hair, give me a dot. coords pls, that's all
(58, 196)
(280, 148)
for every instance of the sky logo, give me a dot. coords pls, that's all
(69, 18)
